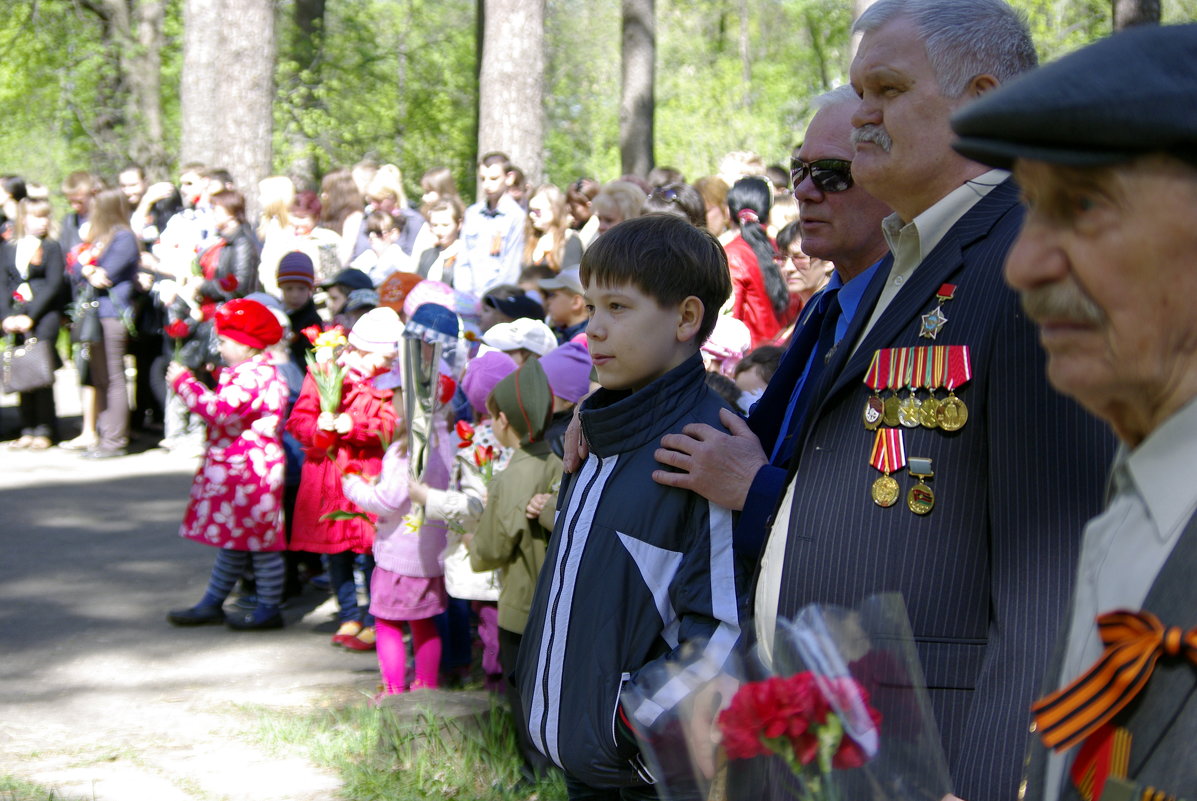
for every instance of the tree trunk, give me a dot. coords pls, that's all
(135, 29)
(511, 84)
(1128, 13)
(228, 88)
(636, 95)
(307, 50)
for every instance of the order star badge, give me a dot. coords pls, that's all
(933, 322)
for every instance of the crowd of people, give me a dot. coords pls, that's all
(590, 428)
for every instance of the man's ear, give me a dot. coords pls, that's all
(690, 315)
(979, 85)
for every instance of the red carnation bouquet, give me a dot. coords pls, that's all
(835, 710)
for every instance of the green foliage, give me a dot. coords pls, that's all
(14, 789)
(382, 758)
(63, 97)
(395, 82)
(706, 107)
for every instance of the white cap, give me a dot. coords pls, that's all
(377, 331)
(521, 333)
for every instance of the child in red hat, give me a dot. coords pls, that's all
(236, 498)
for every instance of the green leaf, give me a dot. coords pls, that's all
(344, 514)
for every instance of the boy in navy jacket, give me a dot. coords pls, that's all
(634, 569)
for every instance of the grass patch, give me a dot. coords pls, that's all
(383, 757)
(14, 789)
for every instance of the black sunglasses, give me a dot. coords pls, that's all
(829, 175)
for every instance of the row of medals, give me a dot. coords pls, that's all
(948, 414)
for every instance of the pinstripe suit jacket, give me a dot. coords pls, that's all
(1162, 720)
(986, 575)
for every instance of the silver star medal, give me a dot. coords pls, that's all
(933, 322)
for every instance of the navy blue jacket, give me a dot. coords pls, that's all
(634, 569)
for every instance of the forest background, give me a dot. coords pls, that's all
(316, 84)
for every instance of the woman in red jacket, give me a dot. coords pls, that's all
(759, 292)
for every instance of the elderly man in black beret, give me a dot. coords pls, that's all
(1104, 145)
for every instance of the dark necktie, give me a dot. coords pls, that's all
(816, 337)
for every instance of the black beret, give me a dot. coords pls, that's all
(1125, 96)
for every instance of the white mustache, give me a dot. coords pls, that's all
(876, 134)
(1063, 302)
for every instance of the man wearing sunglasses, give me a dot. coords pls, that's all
(841, 223)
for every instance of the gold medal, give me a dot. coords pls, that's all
(908, 411)
(888, 455)
(921, 498)
(952, 413)
(893, 405)
(885, 491)
(928, 412)
(874, 412)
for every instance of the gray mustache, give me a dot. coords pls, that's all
(1065, 302)
(875, 134)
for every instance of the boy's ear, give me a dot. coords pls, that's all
(690, 314)
(577, 302)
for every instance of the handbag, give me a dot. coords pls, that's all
(85, 325)
(27, 366)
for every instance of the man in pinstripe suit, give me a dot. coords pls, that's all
(981, 538)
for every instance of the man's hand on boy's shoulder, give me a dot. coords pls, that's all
(718, 465)
(575, 448)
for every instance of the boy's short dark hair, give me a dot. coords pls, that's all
(495, 157)
(667, 259)
(766, 357)
(725, 388)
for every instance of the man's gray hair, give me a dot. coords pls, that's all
(838, 95)
(964, 38)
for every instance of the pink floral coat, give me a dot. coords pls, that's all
(236, 497)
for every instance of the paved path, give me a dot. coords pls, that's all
(100, 698)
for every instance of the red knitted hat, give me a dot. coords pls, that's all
(248, 322)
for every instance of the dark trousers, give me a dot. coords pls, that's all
(112, 391)
(535, 763)
(457, 641)
(38, 418)
(344, 586)
(146, 350)
(584, 792)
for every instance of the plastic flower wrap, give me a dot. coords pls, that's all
(835, 710)
(323, 367)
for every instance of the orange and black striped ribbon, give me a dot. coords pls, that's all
(1134, 642)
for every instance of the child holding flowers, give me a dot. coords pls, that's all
(408, 585)
(342, 420)
(236, 498)
(479, 457)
